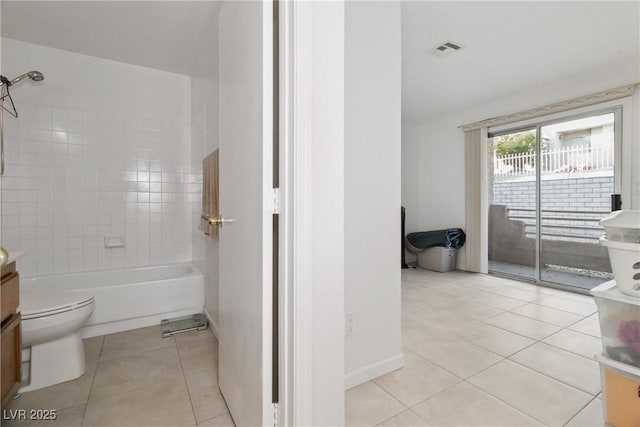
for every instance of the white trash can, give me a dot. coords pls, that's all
(438, 259)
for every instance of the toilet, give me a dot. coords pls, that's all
(52, 350)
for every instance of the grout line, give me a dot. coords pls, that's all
(405, 407)
(554, 378)
(502, 358)
(581, 409)
(535, 341)
(506, 403)
(462, 380)
(510, 405)
(186, 384)
(93, 379)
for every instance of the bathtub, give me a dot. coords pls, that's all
(131, 298)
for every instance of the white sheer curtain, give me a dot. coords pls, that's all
(476, 211)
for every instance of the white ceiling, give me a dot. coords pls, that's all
(508, 46)
(166, 35)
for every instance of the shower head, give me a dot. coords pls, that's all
(36, 76)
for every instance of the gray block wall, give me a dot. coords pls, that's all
(583, 194)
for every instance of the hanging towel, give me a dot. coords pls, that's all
(210, 208)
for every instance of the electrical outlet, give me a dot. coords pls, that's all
(349, 325)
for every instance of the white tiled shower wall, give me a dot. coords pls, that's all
(198, 136)
(78, 171)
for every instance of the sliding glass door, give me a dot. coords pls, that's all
(512, 203)
(549, 185)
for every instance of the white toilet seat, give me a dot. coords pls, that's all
(41, 303)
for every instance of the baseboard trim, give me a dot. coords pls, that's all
(213, 325)
(374, 370)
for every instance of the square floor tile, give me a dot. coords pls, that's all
(438, 319)
(423, 282)
(591, 416)
(466, 405)
(518, 293)
(421, 275)
(144, 406)
(92, 348)
(410, 305)
(575, 342)
(198, 350)
(405, 419)
(544, 290)
(421, 325)
(569, 305)
(523, 325)
(64, 395)
(190, 338)
(497, 301)
(436, 298)
(132, 342)
(589, 326)
(588, 299)
(206, 398)
(456, 290)
(368, 405)
(475, 310)
(480, 282)
(570, 368)
(415, 293)
(417, 381)
(456, 355)
(160, 368)
(492, 338)
(414, 331)
(221, 421)
(547, 314)
(545, 399)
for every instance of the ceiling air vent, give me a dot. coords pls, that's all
(447, 48)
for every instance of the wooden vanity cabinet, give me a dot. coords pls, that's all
(10, 343)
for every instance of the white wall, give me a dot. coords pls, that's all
(436, 179)
(372, 188)
(101, 148)
(410, 186)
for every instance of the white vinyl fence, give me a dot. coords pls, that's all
(563, 160)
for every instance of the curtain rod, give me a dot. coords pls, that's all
(583, 101)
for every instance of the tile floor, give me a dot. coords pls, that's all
(479, 351)
(137, 378)
(486, 351)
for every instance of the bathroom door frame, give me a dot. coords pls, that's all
(311, 297)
